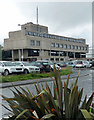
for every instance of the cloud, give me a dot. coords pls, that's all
(64, 18)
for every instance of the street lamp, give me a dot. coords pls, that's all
(22, 56)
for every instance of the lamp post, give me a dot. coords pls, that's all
(22, 55)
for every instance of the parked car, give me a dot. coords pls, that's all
(82, 63)
(62, 64)
(43, 65)
(7, 67)
(56, 65)
(28, 68)
(72, 64)
(92, 65)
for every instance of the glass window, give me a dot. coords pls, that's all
(61, 45)
(82, 48)
(69, 46)
(79, 47)
(76, 47)
(85, 48)
(0, 64)
(26, 64)
(39, 29)
(57, 45)
(37, 43)
(52, 44)
(8, 63)
(73, 47)
(65, 46)
(32, 42)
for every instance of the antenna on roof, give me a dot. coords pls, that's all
(37, 15)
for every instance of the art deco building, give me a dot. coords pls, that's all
(33, 42)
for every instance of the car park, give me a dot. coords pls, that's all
(43, 65)
(7, 67)
(28, 68)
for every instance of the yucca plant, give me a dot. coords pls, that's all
(64, 103)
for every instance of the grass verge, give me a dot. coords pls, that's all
(13, 78)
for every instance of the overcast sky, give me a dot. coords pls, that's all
(72, 19)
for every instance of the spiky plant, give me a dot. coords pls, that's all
(64, 103)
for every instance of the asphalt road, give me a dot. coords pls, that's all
(86, 81)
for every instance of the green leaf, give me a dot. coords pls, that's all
(86, 114)
(89, 101)
(48, 117)
(21, 114)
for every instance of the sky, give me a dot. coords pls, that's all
(70, 19)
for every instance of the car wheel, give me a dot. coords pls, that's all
(6, 72)
(26, 71)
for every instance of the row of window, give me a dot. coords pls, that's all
(54, 37)
(32, 43)
(65, 46)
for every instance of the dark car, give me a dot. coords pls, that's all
(43, 65)
(92, 64)
(62, 64)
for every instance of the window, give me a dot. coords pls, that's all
(57, 45)
(76, 47)
(52, 44)
(69, 46)
(52, 59)
(0, 64)
(57, 59)
(32, 42)
(33, 52)
(82, 48)
(37, 43)
(65, 46)
(85, 48)
(73, 47)
(61, 45)
(79, 47)
(62, 59)
(38, 28)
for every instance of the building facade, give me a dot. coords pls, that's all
(33, 42)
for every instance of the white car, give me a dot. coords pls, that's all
(7, 67)
(52, 66)
(83, 64)
(28, 68)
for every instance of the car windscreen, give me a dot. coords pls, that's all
(50, 63)
(26, 64)
(8, 64)
(45, 63)
(32, 63)
(79, 62)
(70, 63)
(17, 63)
